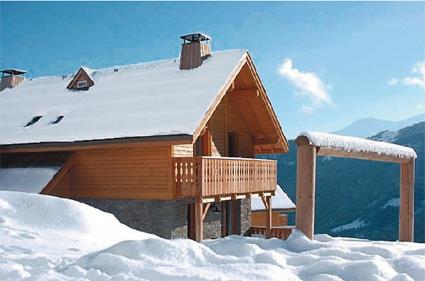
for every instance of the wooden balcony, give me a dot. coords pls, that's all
(218, 177)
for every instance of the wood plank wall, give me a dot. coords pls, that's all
(228, 118)
(258, 218)
(183, 150)
(122, 173)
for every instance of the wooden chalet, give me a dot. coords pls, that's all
(282, 205)
(172, 140)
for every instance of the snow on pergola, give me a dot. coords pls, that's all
(312, 144)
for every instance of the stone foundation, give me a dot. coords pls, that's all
(167, 218)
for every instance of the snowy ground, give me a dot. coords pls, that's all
(47, 238)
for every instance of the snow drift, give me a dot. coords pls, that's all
(48, 238)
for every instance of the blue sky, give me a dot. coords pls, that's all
(324, 65)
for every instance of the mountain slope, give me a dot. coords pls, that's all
(360, 198)
(370, 126)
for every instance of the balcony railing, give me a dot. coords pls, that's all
(282, 232)
(217, 176)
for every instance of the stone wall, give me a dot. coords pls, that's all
(167, 218)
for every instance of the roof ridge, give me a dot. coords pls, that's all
(138, 65)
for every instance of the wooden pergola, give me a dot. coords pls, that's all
(310, 145)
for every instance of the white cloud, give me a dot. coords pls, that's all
(418, 78)
(393, 81)
(307, 84)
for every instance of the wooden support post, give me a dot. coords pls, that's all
(306, 184)
(269, 217)
(198, 219)
(406, 223)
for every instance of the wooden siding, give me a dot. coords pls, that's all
(125, 173)
(228, 119)
(62, 187)
(183, 150)
(259, 219)
(217, 127)
(237, 124)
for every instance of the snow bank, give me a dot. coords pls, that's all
(358, 144)
(58, 216)
(279, 201)
(44, 248)
(31, 180)
(146, 99)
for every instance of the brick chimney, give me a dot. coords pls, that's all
(195, 49)
(11, 78)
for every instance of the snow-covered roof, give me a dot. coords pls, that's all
(30, 179)
(147, 99)
(279, 201)
(345, 143)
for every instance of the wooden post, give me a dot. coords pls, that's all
(406, 223)
(306, 184)
(269, 217)
(199, 231)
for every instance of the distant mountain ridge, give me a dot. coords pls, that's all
(367, 127)
(358, 198)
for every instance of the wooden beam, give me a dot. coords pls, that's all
(251, 93)
(306, 181)
(96, 144)
(199, 228)
(322, 151)
(192, 222)
(59, 175)
(264, 141)
(263, 198)
(269, 106)
(406, 223)
(205, 211)
(231, 87)
(221, 198)
(269, 217)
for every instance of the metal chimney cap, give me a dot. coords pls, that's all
(13, 71)
(195, 37)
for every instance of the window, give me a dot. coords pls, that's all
(33, 120)
(57, 120)
(82, 84)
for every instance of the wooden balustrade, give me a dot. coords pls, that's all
(213, 176)
(277, 232)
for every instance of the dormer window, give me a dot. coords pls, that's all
(81, 80)
(33, 120)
